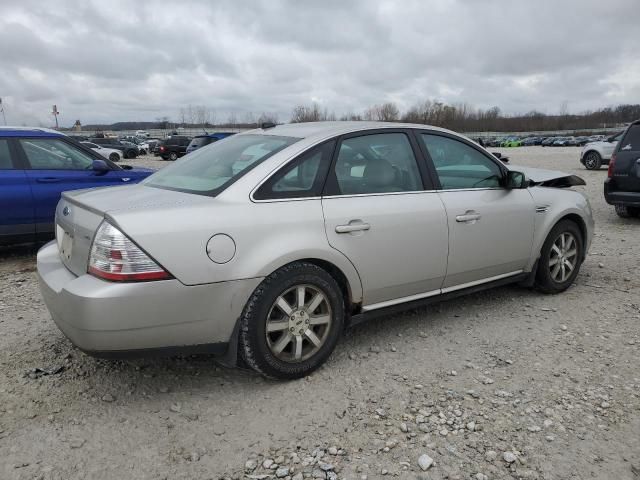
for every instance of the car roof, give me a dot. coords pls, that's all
(326, 129)
(29, 132)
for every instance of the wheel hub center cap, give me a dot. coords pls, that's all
(298, 322)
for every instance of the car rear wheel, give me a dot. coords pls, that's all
(292, 322)
(173, 156)
(560, 258)
(114, 157)
(624, 211)
(592, 161)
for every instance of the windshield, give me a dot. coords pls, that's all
(210, 170)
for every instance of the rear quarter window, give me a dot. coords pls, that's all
(631, 140)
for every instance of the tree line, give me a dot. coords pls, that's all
(464, 118)
(460, 117)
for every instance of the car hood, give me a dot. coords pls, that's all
(549, 178)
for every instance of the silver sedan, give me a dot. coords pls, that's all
(264, 246)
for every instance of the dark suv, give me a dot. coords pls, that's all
(128, 151)
(622, 188)
(202, 140)
(174, 147)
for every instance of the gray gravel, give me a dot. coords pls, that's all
(504, 384)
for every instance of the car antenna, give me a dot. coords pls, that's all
(266, 125)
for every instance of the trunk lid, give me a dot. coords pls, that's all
(80, 212)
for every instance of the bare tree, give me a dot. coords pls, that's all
(311, 113)
(232, 120)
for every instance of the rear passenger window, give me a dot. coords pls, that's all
(631, 141)
(5, 156)
(378, 163)
(303, 177)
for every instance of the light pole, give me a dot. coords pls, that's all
(55, 114)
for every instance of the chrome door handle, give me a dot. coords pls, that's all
(352, 227)
(469, 216)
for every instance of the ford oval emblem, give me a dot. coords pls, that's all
(66, 211)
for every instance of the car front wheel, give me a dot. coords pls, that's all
(114, 157)
(292, 322)
(592, 161)
(560, 258)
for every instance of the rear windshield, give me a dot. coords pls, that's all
(631, 141)
(211, 170)
(199, 141)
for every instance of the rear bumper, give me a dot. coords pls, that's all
(614, 197)
(134, 319)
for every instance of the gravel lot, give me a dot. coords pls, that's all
(504, 384)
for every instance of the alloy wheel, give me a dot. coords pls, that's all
(591, 161)
(298, 323)
(564, 257)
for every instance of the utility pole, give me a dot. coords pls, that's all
(2, 110)
(55, 114)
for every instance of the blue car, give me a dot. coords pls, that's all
(202, 140)
(36, 166)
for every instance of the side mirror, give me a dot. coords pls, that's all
(516, 180)
(100, 167)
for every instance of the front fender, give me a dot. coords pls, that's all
(552, 205)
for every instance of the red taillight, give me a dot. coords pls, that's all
(116, 258)
(162, 149)
(612, 165)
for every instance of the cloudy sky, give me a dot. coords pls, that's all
(107, 61)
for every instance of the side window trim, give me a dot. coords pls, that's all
(331, 188)
(431, 165)
(321, 176)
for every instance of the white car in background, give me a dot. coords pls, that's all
(596, 154)
(142, 134)
(110, 153)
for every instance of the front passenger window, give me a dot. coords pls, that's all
(54, 154)
(460, 166)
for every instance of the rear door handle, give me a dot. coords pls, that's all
(468, 217)
(48, 180)
(352, 227)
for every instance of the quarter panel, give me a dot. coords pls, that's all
(267, 236)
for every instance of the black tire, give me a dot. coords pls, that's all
(544, 281)
(624, 211)
(592, 161)
(173, 156)
(253, 345)
(114, 157)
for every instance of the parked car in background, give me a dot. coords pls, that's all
(142, 133)
(622, 187)
(596, 154)
(174, 147)
(530, 141)
(202, 140)
(202, 257)
(564, 142)
(548, 141)
(111, 153)
(582, 141)
(511, 142)
(36, 166)
(128, 149)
